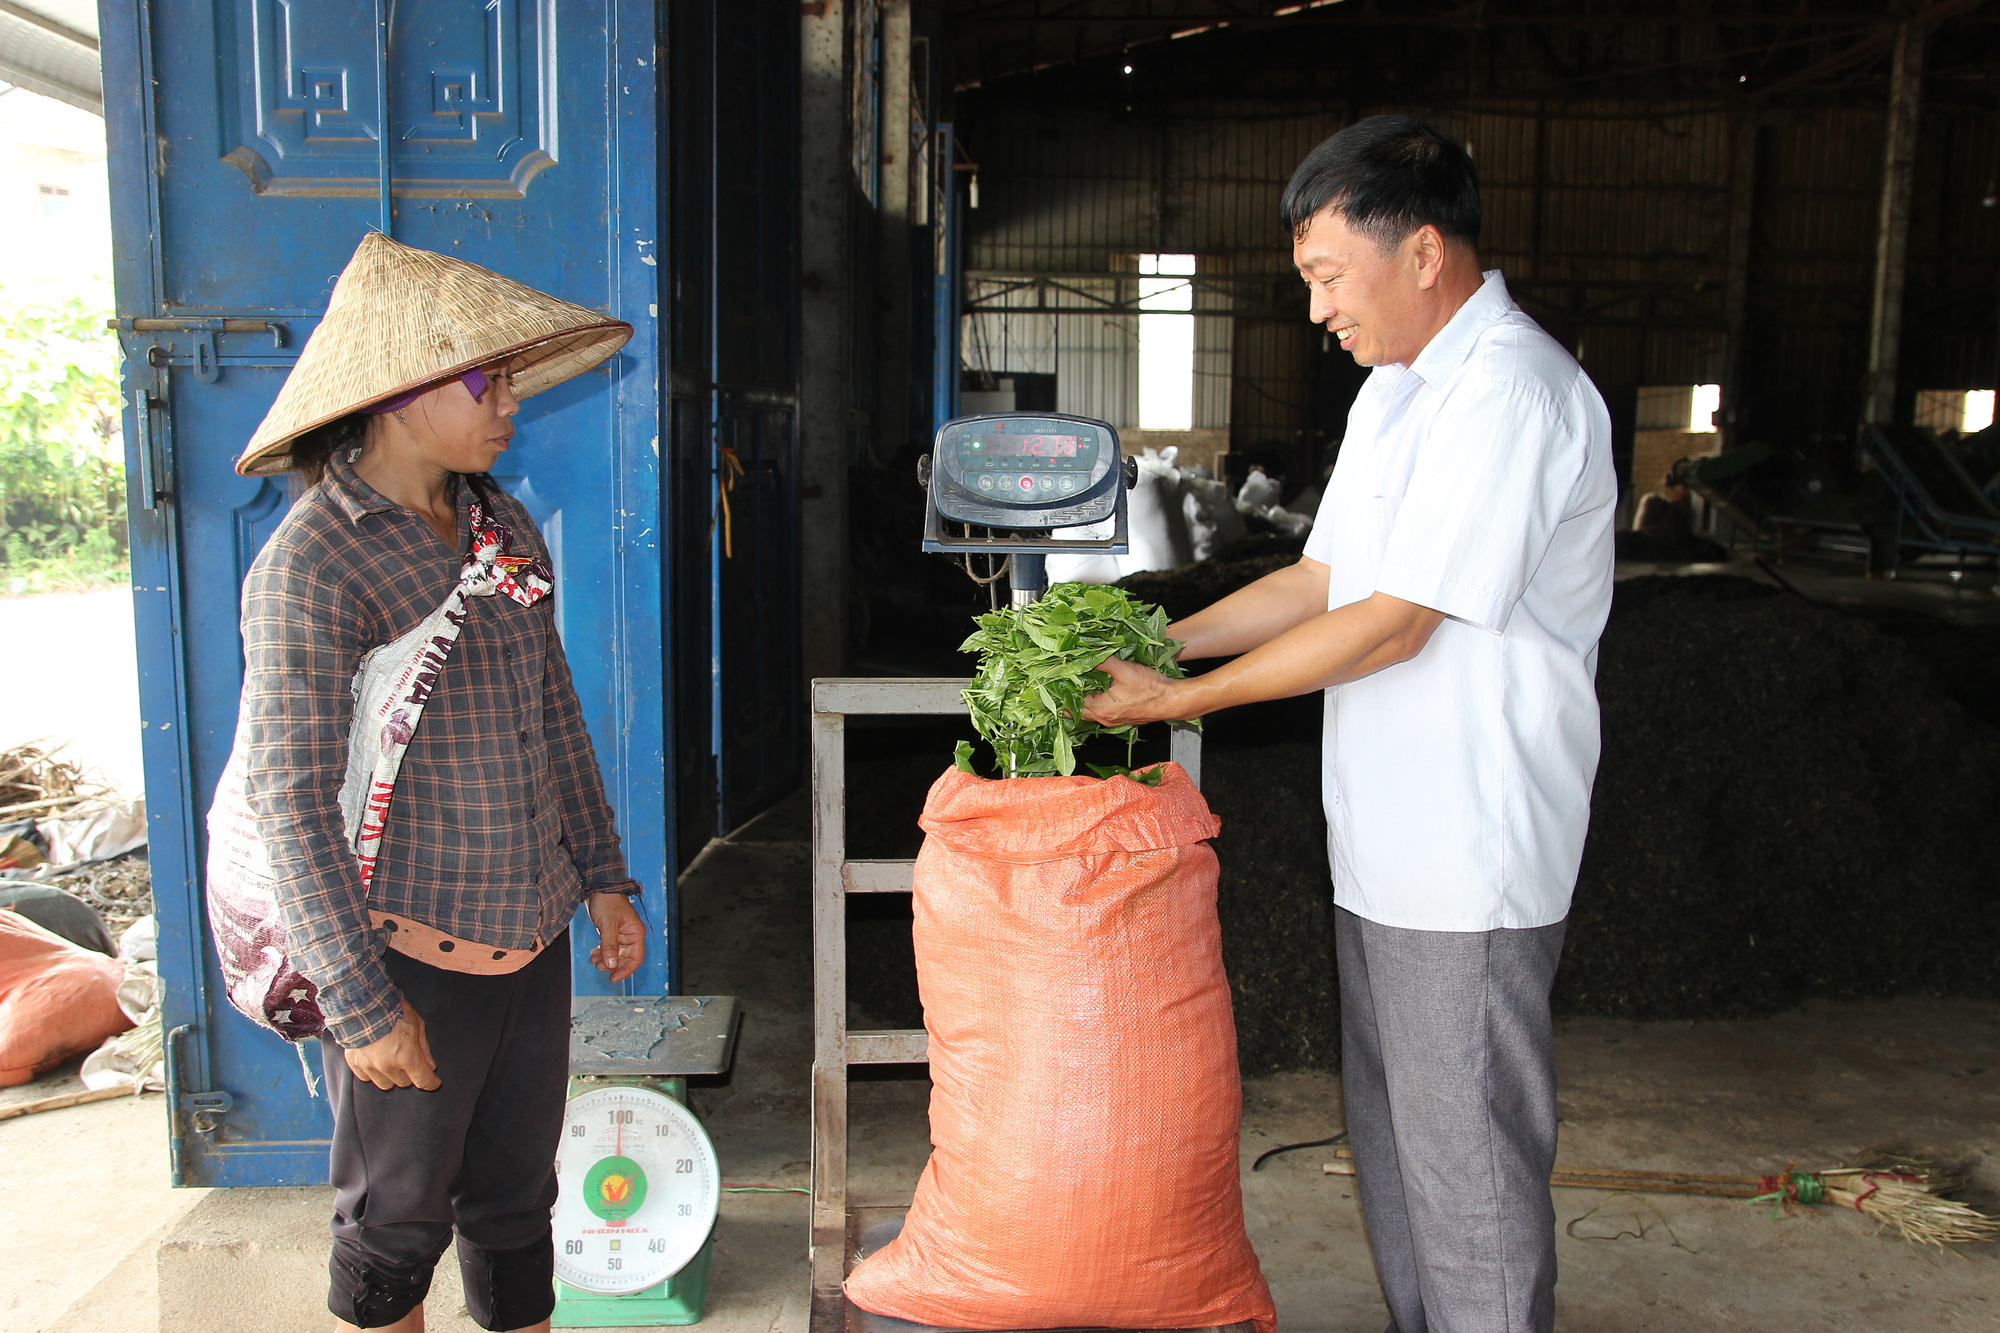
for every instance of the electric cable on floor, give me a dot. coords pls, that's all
(1258, 1165)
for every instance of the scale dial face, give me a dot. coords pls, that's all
(639, 1189)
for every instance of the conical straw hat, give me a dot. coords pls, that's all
(401, 318)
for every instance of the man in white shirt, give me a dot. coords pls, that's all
(1449, 603)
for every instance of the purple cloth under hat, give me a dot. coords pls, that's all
(475, 381)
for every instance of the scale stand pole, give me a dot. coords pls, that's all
(1027, 577)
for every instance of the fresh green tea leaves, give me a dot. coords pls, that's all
(1145, 777)
(1038, 663)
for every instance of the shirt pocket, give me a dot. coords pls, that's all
(1378, 520)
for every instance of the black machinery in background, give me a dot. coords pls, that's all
(1915, 496)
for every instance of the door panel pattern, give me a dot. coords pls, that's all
(471, 95)
(255, 520)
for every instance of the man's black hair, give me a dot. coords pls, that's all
(1387, 176)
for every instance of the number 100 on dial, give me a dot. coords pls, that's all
(638, 1190)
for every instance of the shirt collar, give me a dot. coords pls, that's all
(1447, 351)
(356, 498)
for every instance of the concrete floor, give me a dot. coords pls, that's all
(83, 1202)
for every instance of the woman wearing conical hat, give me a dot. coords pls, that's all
(444, 973)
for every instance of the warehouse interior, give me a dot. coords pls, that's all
(1769, 231)
(1766, 231)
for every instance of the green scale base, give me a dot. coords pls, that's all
(676, 1302)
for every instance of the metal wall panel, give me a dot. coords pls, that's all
(1611, 220)
(1092, 354)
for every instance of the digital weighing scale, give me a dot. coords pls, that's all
(1005, 483)
(637, 1176)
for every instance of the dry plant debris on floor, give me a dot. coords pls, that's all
(121, 890)
(36, 784)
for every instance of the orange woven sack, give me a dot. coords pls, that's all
(1085, 1100)
(56, 999)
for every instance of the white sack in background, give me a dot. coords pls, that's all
(1258, 492)
(1160, 538)
(1212, 520)
(97, 835)
(141, 941)
(1084, 567)
(1156, 526)
(1287, 522)
(1259, 495)
(133, 1059)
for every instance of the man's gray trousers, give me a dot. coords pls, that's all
(1451, 1109)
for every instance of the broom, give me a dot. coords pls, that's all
(1900, 1193)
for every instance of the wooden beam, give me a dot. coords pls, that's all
(879, 876)
(1736, 289)
(1892, 234)
(918, 696)
(62, 1100)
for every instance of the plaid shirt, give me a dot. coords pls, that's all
(499, 825)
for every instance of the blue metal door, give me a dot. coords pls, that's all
(246, 147)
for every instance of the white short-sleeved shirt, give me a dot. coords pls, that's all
(1477, 482)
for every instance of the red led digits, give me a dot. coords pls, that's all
(1032, 446)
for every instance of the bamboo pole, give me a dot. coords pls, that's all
(62, 1100)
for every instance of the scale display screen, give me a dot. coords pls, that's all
(1013, 462)
(1043, 478)
(1031, 446)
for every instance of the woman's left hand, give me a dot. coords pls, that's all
(621, 935)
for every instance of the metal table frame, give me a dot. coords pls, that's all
(834, 700)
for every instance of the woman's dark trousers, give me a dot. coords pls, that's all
(476, 1156)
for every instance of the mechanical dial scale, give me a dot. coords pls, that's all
(637, 1176)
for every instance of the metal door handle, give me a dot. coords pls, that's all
(142, 414)
(176, 1136)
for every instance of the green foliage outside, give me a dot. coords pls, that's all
(1038, 663)
(62, 471)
